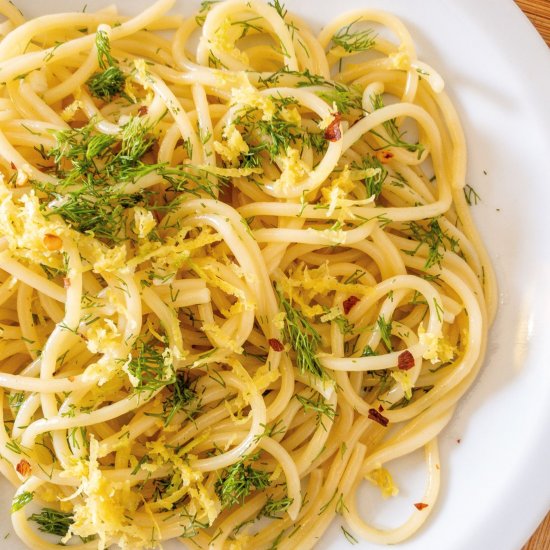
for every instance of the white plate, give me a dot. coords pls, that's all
(496, 485)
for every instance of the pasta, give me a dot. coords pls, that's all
(238, 274)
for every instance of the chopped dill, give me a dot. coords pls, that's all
(385, 331)
(354, 41)
(274, 508)
(303, 338)
(471, 195)
(319, 406)
(273, 136)
(21, 500)
(394, 137)
(107, 84)
(53, 521)
(350, 538)
(279, 8)
(181, 398)
(373, 183)
(434, 238)
(110, 81)
(238, 481)
(205, 7)
(150, 369)
(95, 169)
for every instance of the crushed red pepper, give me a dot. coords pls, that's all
(276, 345)
(384, 156)
(24, 468)
(377, 417)
(332, 131)
(405, 361)
(349, 303)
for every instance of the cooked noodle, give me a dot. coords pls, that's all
(238, 274)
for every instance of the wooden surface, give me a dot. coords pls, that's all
(541, 539)
(538, 12)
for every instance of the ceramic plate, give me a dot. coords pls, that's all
(496, 486)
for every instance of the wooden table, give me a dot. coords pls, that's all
(538, 12)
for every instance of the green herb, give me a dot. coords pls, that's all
(206, 6)
(15, 400)
(355, 277)
(438, 310)
(107, 84)
(303, 338)
(53, 521)
(191, 530)
(309, 79)
(270, 431)
(238, 481)
(279, 7)
(319, 406)
(110, 81)
(345, 98)
(394, 137)
(434, 238)
(49, 56)
(368, 352)
(94, 169)
(341, 505)
(150, 368)
(15, 447)
(273, 136)
(182, 397)
(373, 183)
(277, 540)
(470, 195)
(385, 331)
(343, 324)
(350, 538)
(354, 41)
(274, 508)
(248, 25)
(21, 500)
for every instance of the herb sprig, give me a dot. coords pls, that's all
(53, 521)
(394, 137)
(318, 406)
(354, 41)
(303, 338)
(150, 368)
(94, 170)
(110, 81)
(432, 236)
(239, 480)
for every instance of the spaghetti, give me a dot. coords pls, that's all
(238, 274)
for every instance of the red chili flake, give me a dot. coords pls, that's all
(420, 505)
(24, 468)
(143, 110)
(13, 167)
(380, 408)
(377, 417)
(349, 303)
(405, 361)
(332, 132)
(276, 345)
(384, 156)
(66, 282)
